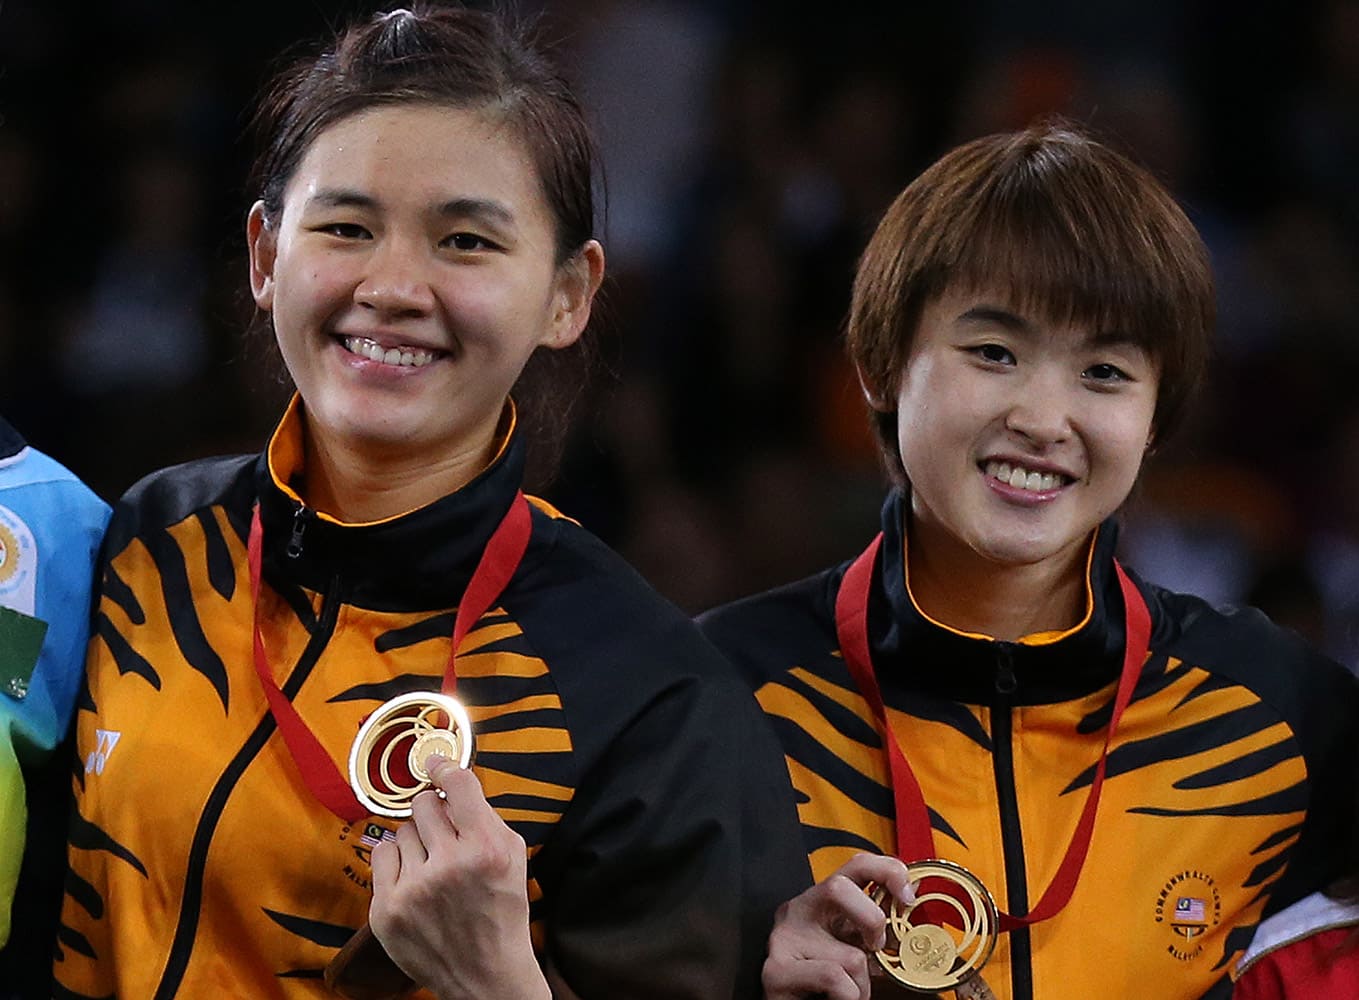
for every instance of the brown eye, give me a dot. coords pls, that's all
(345, 230)
(1106, 373)
(468, 242)
(995, 354)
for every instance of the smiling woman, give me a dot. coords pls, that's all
(410, 273)
(1136, 777)
(296, 649)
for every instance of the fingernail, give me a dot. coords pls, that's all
(435, 761)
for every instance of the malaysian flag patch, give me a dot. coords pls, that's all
(1191, 910)
(373, 834)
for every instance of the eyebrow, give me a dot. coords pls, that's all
(478, 208)
(341, 198)
(484, 209)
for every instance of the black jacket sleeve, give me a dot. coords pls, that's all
(674, 854)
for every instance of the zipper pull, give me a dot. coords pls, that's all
(975, 989)
(1006, 681)
(300, 519)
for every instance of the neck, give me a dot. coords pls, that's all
(357, 485)
(958, 588)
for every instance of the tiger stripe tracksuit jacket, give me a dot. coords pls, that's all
(610, 736)
(1228, 783)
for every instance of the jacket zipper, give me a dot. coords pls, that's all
(301, 518)
(191, 902)
(1012, 836)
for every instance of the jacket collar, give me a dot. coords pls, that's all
(420, 560)
(912, 650)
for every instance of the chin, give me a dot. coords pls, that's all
(1016, 551)
(364, 431)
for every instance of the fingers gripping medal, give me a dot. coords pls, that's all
(387, 771)
(387, 758)
(942, 940)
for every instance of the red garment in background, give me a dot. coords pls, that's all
(1307, 951)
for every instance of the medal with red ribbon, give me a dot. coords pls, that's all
(956, 921)
(386, 761)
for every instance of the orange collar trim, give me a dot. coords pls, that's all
(287, 455)
(1045, 638)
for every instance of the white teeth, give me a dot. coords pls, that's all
(1022, 479)
(404, 357)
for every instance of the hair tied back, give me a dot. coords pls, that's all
(397, 32)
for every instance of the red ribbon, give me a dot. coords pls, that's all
(915, 836)
(499, 560)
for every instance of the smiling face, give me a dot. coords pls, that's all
(1018, 436)
(410, 274)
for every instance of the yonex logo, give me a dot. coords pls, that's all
(99, 756)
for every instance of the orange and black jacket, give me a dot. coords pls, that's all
(610, 736)
(1228, 781)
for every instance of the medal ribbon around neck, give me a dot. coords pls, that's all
(499, 560)
(915, 836)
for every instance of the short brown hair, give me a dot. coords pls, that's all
(1077, 233)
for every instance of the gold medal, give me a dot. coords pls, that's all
(387, 759)
(944, 938)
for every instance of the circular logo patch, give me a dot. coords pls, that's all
(1188, 907)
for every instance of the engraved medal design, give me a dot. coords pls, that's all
(944, 938)
(387, 759)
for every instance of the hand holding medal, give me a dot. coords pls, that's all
(450, 895)
(389, 765)
(877, 927)
(389, 768)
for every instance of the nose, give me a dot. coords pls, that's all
(395, 279)
(1040, 412)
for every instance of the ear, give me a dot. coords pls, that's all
(262, 242)
(577, 281)
(874, 395)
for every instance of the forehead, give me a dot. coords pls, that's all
(421, 154)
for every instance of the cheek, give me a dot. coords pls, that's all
(1122, 449)
(498, 319)
(304, 288)
(938, 415)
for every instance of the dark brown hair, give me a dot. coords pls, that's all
(461, 58)
(1072, 230)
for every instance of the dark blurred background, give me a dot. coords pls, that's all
(749, 152)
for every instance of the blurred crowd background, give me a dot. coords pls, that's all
(750, 148)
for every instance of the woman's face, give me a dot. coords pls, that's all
(410, 274)
(1019, 437)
